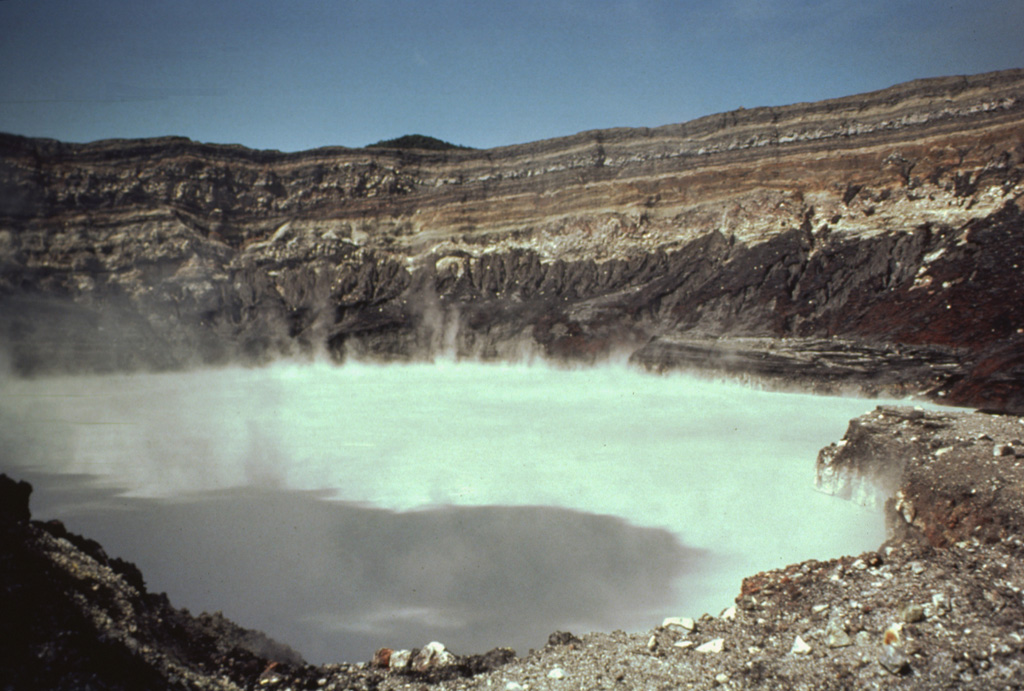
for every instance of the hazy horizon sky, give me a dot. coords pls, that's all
(308, 73)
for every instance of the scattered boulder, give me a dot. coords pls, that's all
(432, 656)
(563, 638)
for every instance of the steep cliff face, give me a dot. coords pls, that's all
(874, 241)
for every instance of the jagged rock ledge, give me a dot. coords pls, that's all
(939, 605)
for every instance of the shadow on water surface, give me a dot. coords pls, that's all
(337, 580)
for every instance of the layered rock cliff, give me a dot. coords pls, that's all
(940, 605)
(873, 242)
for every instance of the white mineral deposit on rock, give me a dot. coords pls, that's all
(400, 659)
(432, 656)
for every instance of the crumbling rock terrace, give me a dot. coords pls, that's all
(869, 243)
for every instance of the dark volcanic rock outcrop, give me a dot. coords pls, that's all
(75, 618)
(882, 231)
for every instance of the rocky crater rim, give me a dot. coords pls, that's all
(871, 243)
(956, 95)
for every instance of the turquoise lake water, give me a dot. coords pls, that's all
(345, 508)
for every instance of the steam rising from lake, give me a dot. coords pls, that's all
(345, 508)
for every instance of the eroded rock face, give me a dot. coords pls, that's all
(944, 477)
(882, 231)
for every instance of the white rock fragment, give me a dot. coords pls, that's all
(557, 673)
(684, 644)
(715, 645)
(938, 606)
(839, 639)
(514, 686)
(680, 622)
(894, 661)
(818, 609)
(729, 614)
(652, 643)
(800, 647)
(722, 677)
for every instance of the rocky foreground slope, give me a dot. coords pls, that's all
(939, 605)
(872, 242)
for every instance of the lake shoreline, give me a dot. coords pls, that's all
(896, 613)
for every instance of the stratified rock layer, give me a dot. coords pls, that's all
(872, 237)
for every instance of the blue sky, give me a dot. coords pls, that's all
(307, 73)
